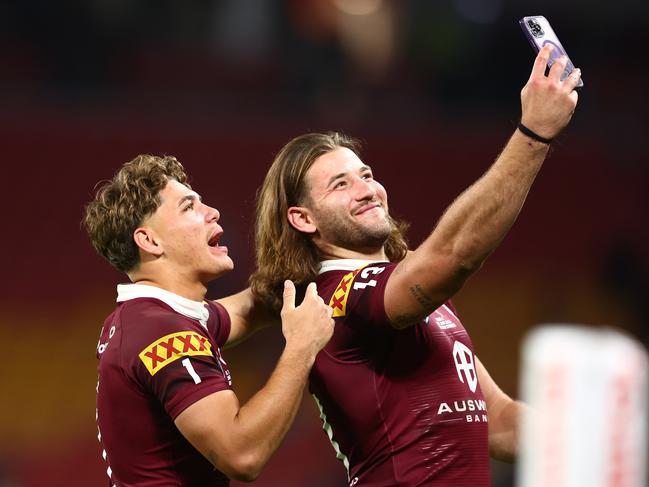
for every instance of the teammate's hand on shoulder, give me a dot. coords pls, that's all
(309, 326)
(548, 103)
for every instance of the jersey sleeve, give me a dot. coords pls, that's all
(219, 324)
(172, 358)
(359, 296)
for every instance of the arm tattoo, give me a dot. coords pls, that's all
(418, 293)
(424, 301)
(406, 319)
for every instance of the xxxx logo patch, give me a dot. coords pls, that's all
(338, 299)
(173, 346)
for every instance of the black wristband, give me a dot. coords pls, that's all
(533, 135)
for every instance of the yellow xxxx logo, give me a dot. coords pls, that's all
(173, 346)
(338, 299)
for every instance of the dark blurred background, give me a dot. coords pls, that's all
(432, 87)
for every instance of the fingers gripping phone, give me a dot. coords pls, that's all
(538, 31)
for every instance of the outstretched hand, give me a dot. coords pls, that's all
(547, 102)
(308, 326)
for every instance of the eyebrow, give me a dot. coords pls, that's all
(364, 167)
(189, 197)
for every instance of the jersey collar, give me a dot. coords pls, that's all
(344, 264)
(186, 307)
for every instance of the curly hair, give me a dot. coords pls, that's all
(283, 252)
(124, 202)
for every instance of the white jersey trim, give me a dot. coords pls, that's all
(345, 264)
(330, 434)
(186, 307)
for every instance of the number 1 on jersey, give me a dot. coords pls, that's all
(190, 368)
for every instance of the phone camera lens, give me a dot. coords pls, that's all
(535, 28)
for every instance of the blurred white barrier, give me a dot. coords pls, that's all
(587, 422)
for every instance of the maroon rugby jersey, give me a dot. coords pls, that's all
(158, 354)
(401, 407)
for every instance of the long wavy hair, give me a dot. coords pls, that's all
(282, 252)
(124, 202)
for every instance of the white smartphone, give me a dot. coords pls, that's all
(538, 31)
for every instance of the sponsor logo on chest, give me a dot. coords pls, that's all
(472, 409)
(469, 410)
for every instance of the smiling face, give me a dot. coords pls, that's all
(183, 235)
(347, 207)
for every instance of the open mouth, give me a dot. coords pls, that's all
(215, 245)
(214, 240)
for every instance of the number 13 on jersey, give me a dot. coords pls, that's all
(366, 274)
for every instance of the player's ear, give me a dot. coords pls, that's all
(147, 240)
(301, 219)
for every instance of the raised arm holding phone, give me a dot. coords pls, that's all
(404, 399)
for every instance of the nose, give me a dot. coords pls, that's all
(366, 190)
(212, 214)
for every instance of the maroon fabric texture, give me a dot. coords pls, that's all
(404, 407)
